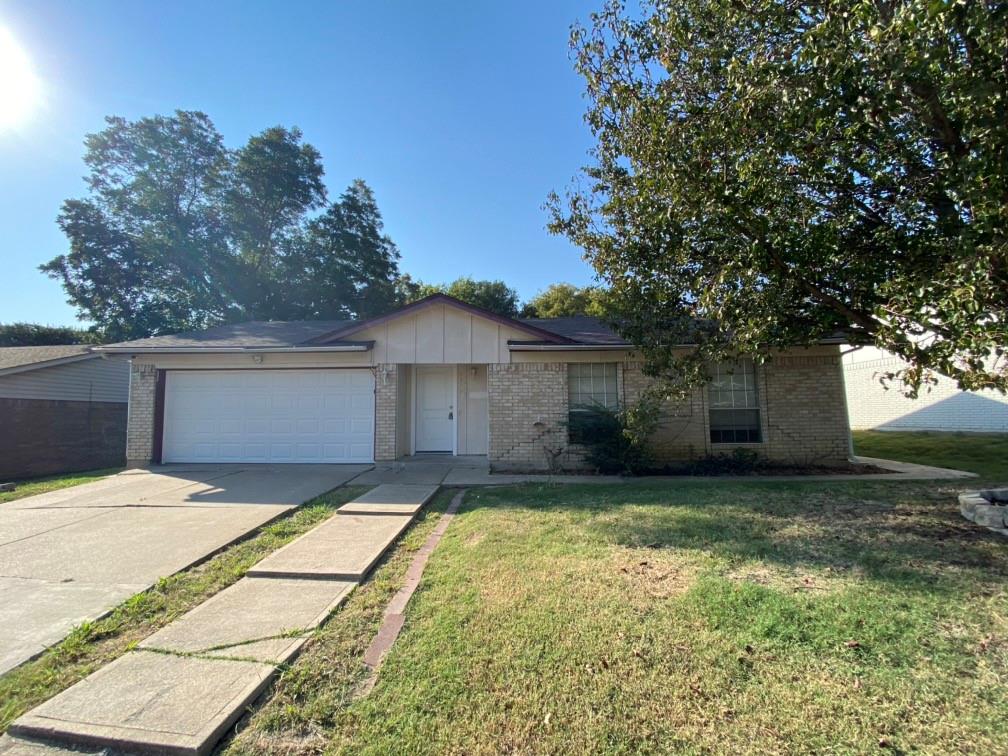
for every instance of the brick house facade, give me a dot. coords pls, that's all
(443, 377)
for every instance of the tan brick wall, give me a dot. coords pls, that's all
(802, 413)
(386, 399)
(140, 426)
(806, 414)
(528, 416)
(682, 429)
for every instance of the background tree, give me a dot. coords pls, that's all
(344, 266)
(33, 334)
(771, 173)
(564, 299)
(178, 232)
(495, 296)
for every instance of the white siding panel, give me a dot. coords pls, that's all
(96, 380)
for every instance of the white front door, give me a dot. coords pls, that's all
(435, 408)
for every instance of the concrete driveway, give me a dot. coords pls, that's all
(71, 555)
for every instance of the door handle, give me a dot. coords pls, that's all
(451, 415)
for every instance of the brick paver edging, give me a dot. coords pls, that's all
(395, 611)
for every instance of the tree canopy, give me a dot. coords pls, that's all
(179, 232)
(34, 334)
(495, 296)
(771, 173)
(563, 300)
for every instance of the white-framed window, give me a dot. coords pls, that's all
(734, 404)
(589, 384)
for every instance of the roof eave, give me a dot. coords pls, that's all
(358, 346)
(518, 346)
(47, 363)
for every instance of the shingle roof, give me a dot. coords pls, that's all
(253, 334)
(261, 334)
(583, 329)
(16, 357)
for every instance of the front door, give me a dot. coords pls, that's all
(435, 408)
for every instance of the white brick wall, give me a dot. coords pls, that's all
(943, 408)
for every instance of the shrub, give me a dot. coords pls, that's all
(615, 441)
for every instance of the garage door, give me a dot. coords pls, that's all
(269, 416)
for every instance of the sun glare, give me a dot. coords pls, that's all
(20, 89)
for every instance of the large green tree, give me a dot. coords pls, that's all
(495, 296)
(773, 172)
(180, 232)
(564, 299)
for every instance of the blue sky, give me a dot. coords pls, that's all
(461, 115)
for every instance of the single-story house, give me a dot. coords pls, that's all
(441, 376)
(941, 406)
(62, 409)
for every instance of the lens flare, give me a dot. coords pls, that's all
(20, 89)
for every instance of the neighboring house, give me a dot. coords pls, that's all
(941, 407)
(442, 376)
(62, 409)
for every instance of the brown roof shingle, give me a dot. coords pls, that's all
(13, 357)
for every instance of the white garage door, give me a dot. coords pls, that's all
(269, 416)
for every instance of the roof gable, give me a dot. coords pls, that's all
(434, 299)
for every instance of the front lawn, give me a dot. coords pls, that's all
(696, 617)
(985, 454)
(53, 483)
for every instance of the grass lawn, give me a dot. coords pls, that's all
(53, 483)
(983, 453)
(95, 644)
(732, 617)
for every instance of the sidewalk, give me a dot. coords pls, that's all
(187, 684)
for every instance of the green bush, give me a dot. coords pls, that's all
(614, 440)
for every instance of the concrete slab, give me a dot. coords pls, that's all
(18, 524)
(147, 701)
(11, 746)
(244, 619)
(136, 545)
(35, 614)
(72, 555)
(345, 547)
(408, 473)
(130, 488)
(390, 498)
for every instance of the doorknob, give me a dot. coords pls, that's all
(451, 415)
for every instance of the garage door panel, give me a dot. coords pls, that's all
(269, 416)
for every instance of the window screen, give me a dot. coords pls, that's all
(734, 404)
(589, 384)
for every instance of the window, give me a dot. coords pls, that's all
(589, 384)
(734, 404)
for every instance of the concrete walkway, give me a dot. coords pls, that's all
(460, 472)
(188, 683)
(71, 555)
